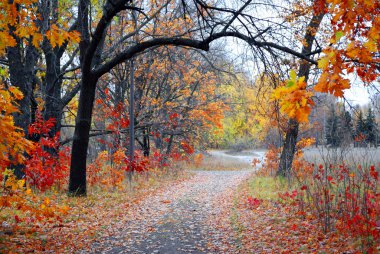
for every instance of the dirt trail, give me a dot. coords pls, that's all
(190, 217)
(246, 157)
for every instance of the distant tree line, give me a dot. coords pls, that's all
(345, 128)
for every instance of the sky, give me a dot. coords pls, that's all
(357, 95)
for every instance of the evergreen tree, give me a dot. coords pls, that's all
(360, 130)
(333, 129)
(371, 128)
(347, 126)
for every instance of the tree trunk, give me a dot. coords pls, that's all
(21, 72)
(146, 142)
(53, 103)
(22, 76)
(289, 148)
(77, 179)
(77, 183)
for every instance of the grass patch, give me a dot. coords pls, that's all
(266, 187)
(237, 227)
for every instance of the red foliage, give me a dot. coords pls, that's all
(139, 163)
(320, 6)
(253, 203)
(188, 149)
(48, 163)
(343, 198)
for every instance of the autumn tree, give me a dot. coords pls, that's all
(170, 102)
(298, 104)
(254, 118)
(35, 37)
(13, 143)
(207, 22)
(353, 49)
(33, 30)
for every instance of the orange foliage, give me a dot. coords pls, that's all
(19, 19)
(354, 45)
(109, 171)
(198, 159)
(271, 162)
(13, 144)
(15, 194)
(300, 166)
(354, 49)
(294, 99)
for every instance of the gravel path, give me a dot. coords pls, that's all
(181, 219)
(189, 217)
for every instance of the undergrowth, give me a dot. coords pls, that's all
(341, 196)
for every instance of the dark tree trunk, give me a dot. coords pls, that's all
(289, 148)
(53, 107)
(22, 76)
(21, 72)
(77, 183)
(146, 142)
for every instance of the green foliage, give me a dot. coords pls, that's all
(366, 129)
(334, 134)
(360, 124)
(371, 129)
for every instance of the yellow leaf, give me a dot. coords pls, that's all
(371, 46)
(16, 92)
(20, 183)
(339, 35)
(352, 50)
(323, 63)
(293, 75)
(37, 39)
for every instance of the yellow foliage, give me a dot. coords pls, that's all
(23, 22)
(57, 36)
(13, 144)
(294, 99)
(323, 63)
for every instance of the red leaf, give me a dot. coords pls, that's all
(17, 219)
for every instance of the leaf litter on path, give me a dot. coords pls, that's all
(189, 217)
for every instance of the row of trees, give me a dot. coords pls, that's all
(343, 129)
(120, 55)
